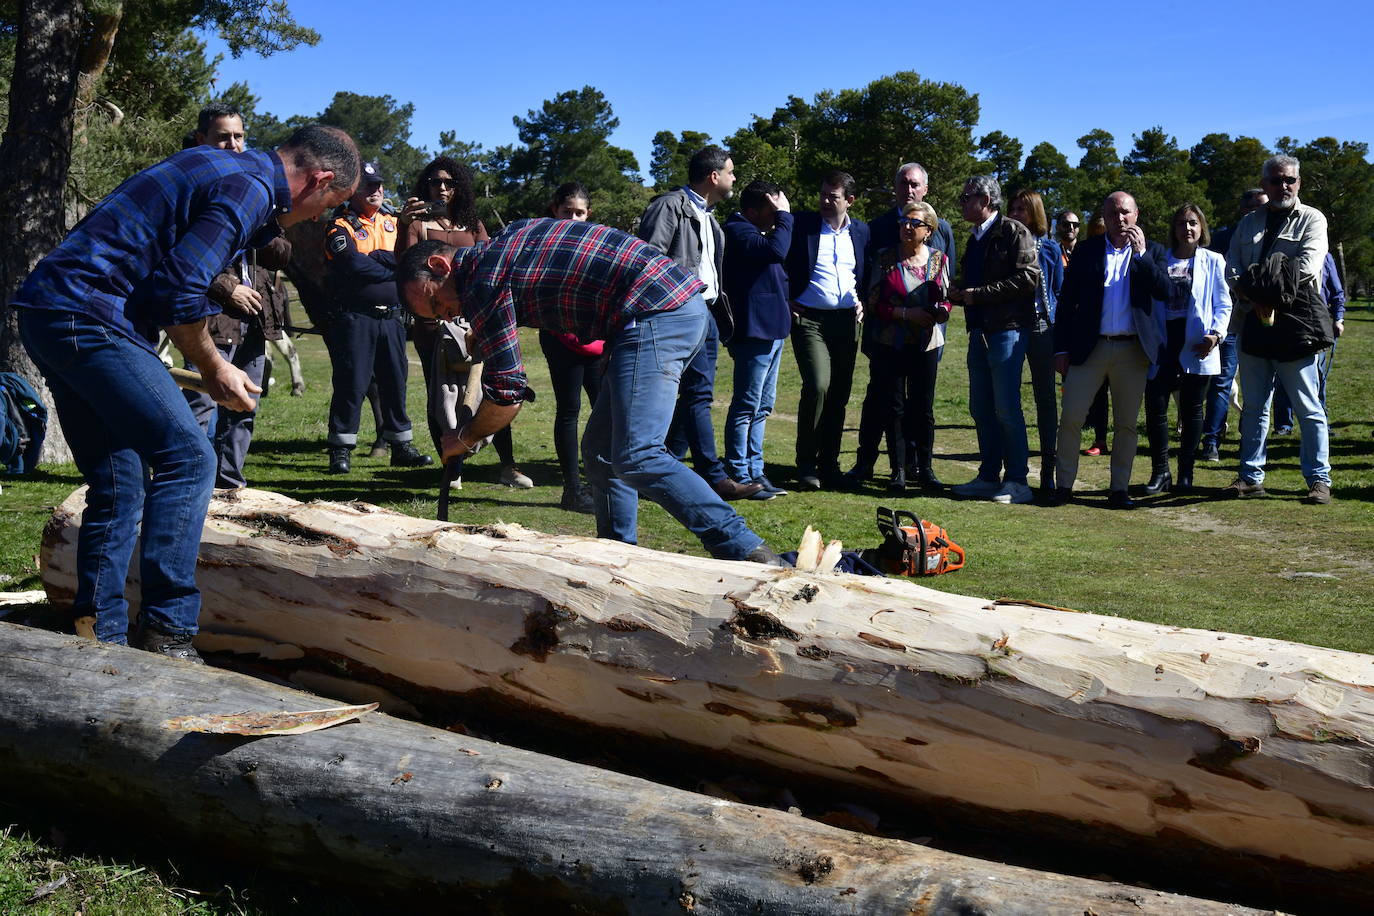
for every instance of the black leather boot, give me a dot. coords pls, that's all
(1160, 482)
(340, 459)
(404, 455)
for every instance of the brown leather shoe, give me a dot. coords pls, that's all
(732, 489)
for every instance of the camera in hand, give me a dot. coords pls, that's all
(436, 208)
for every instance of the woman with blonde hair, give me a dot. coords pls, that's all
(1027, 208)
(905, 310)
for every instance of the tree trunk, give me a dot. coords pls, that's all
(385, 804)
(95, 54)
(34, 157)
(1202, 750)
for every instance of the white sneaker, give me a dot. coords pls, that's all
(512, 476)
(1013, 492)
(456, 483)
(977, 488)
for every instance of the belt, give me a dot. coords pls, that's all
(372, 310)
(1118, 336)
(818, 313)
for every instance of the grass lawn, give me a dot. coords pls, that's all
(1267, 567)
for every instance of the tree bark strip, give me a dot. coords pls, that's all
(1179, 742)
(382, 803)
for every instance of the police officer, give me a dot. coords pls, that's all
(366, 337)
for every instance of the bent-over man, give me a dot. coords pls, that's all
(89, 314)
(599, 284)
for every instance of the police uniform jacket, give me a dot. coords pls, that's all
(360, 268)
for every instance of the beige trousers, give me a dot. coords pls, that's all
(1123, 364)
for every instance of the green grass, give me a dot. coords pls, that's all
(1185, 561)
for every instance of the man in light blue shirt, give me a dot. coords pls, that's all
(825, 276)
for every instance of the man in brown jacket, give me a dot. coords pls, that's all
(253, 304)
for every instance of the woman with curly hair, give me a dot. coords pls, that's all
(443, 206)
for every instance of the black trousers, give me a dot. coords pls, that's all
(361, 347)
(1192, 389)
(899, 403)
(571, 374)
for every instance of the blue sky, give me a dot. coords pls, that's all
(1042, 71)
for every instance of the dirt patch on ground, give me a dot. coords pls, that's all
(1197, 520)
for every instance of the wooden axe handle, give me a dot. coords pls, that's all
(185, 378)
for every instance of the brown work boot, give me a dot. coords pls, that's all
(1319, 494)
(727, 488)
(1242, 487)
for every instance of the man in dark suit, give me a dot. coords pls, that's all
(909, 185)
(826, 272)
(1107, 294)
(757, 238)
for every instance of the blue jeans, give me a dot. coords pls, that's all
(1218, 398)
(1301, 379)
(231, 431)
(145, 460)
(994, 402)
(756, 389)
(623, 448)
(691, 429)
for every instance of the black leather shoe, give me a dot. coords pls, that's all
(854, 480)
(404, 455)
(339, 459)
(1184, 483)
(1160, 482)
(925, 477)
(765, 555)
(172, 646)
(1059, 496)
(728, 488)
(898, 482)
(1120, 499)
(576, 499)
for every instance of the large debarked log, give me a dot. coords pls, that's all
(1168, 737)
(382, 803)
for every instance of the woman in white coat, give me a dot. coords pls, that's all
(1182, 340)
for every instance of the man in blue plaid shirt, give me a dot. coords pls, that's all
(89, 315)
(599, 284)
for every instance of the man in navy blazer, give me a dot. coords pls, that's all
(909, 185)
(826, 280)
(1107, 293)
(757, 237)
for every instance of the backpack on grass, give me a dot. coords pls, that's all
(23, 424)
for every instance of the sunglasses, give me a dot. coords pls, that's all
(912, 222)
(1070, 225)
(1281, 179)
(968, 196)
(444, 182)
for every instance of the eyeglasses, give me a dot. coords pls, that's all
(444, 182)
(913, 222)
(1281, 179)
(969, 195)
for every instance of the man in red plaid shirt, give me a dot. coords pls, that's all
(597, 283)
